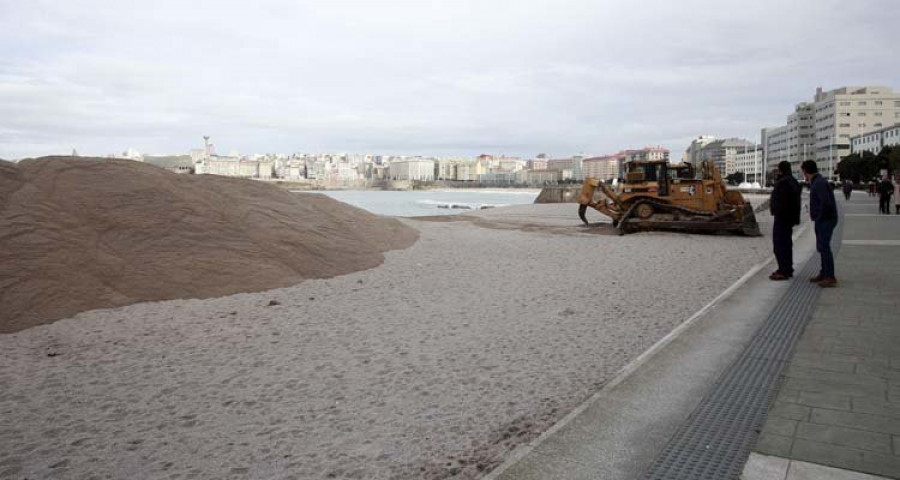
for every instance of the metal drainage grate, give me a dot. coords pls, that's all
(715, 441)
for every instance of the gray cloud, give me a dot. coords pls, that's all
(422, 77)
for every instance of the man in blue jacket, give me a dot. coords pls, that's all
(784, 205)
(822, 211)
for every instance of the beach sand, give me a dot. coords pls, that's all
(80, 233)
(434, 364)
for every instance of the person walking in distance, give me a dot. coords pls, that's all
(848, 189)
(784, 204)
(823, 212)
(885, 190)
(897, 195)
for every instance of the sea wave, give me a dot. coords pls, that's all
(460, 205)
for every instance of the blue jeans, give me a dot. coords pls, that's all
(824, 230)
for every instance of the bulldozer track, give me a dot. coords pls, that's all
(665, 206)
(711, 219)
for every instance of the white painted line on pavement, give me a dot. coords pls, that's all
(870, 215)
(877, 243)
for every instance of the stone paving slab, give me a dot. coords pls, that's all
(765, 467)
(839, 401)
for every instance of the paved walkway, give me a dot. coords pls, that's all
(839, 403)
(837, 413)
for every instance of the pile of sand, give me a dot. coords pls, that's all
(78, 234)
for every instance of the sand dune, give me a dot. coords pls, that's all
(78, 234)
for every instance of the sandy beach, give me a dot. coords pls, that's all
(434, 364)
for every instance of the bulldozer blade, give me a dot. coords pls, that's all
(750, 227)
(581, 210)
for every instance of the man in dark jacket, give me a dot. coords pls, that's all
(822, 211)
(885, 190)
(784, 204)
(848, 189)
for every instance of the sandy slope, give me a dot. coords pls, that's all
(433, 365)
(78, 234)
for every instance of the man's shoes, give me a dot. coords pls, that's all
(828, 282)
(778, 276)
(818, 278)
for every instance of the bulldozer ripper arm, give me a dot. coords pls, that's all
(586, 199)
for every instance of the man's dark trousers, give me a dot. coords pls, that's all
(824, 231)
(783, 247)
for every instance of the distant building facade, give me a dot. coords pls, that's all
(569, 168)
(608, 167)
(723, 152)
(821, 130)
(774, 141)
(874, 141)
(411, 169)
(750, 163)
(604, 168)
(693, 153)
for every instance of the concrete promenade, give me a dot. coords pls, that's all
(839, 403)
(837, 411)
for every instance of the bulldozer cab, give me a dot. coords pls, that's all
(661, 173)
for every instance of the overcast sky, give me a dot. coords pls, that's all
(453, 77)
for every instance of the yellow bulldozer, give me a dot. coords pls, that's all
(657, 195)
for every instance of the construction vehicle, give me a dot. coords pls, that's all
(657, 195)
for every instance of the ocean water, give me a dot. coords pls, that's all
(423, 203)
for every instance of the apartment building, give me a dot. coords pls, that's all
(469, 171)
(876, 140)
(569, 167)
(411, 169)
(821, 130)
(536, 164)
(646, 154)
(446, 169)
(774, 142)
(692, 154)
(750, 163)
(538, 177)
(891, 137)
(724, 153)
(606, 167)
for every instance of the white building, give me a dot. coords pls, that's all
(820, 130)
(750, 163)
(891, 137)
(469, 171)
(569, 168)
(510, 164)
(446, 169)
(538, 177)
(236, 167)
(216, 165)
(692, 154)
(723, 152)
(775, 146)
(412, 169)
(603, 168)
(874, 141)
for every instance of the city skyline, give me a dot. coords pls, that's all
(411, 78)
